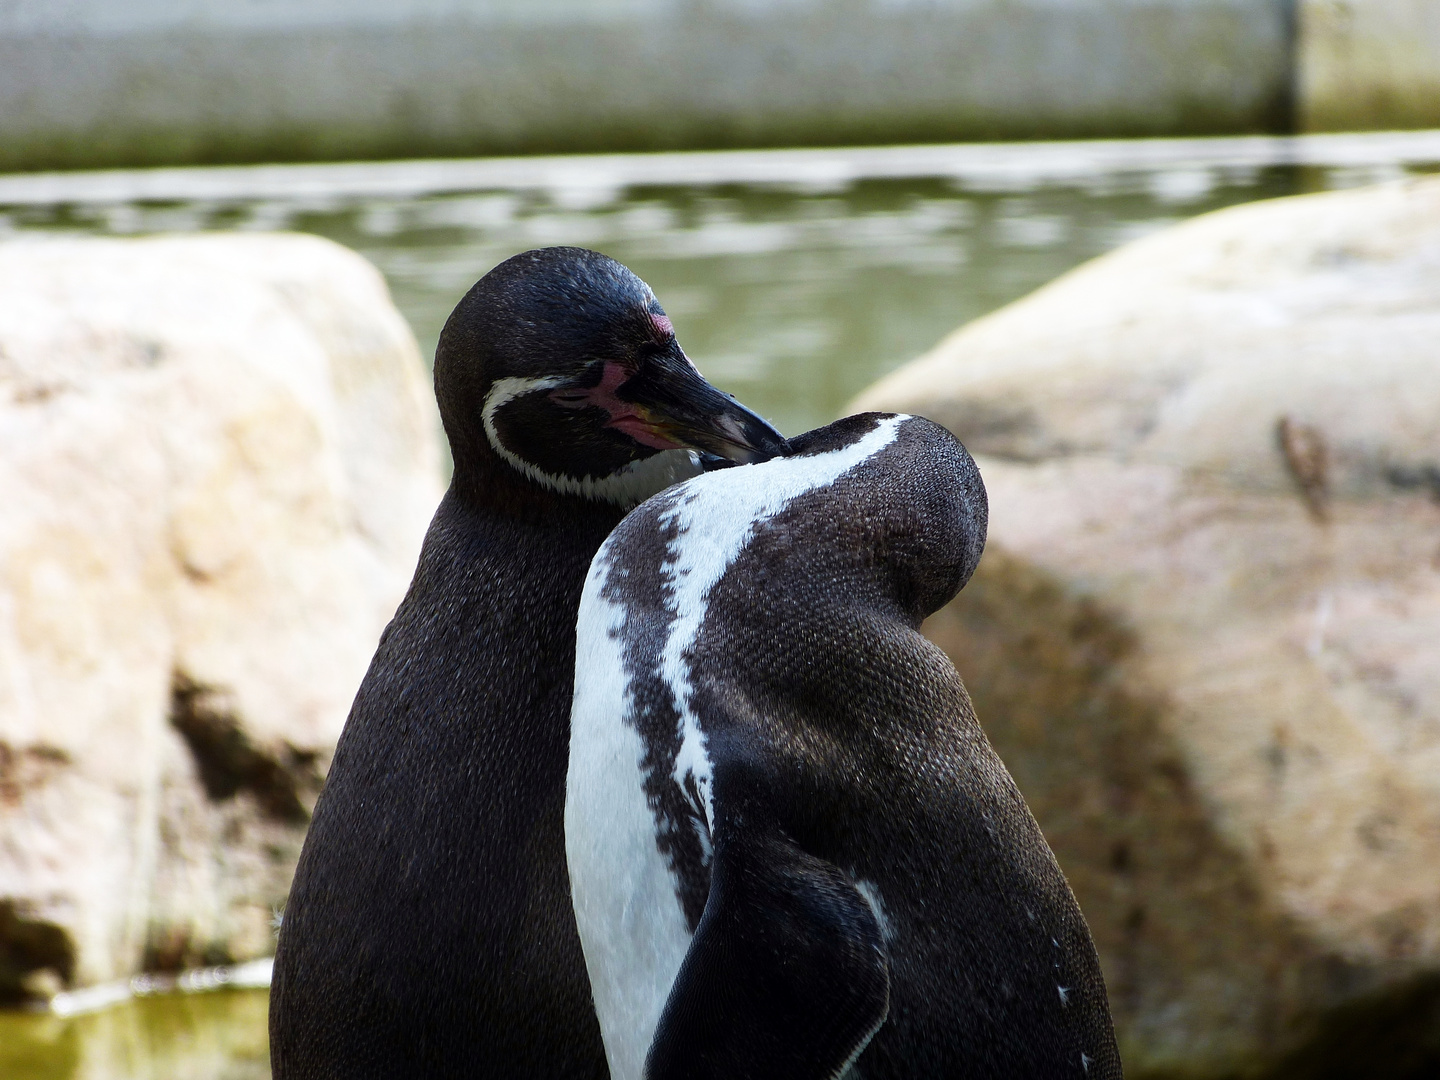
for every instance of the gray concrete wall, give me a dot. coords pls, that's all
(125, 82)
(1369, 64)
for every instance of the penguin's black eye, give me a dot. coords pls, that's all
(570, 399)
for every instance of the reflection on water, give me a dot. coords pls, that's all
(792, 297)
(215, 1036)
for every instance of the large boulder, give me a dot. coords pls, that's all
(1206, 635)
(217, 461)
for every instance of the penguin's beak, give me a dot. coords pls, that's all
(667, 403)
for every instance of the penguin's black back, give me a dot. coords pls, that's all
(428, 931)
(863, 861)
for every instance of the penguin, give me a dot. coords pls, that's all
(428, 931)
(792, 851)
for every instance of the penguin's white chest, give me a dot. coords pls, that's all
(632, 928)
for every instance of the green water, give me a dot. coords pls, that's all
(214, 1036)
(793, 299)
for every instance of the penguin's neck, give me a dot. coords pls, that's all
(488, 485)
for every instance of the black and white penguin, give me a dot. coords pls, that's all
(792, 850)
(429, 931)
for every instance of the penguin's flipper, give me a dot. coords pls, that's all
(786, 976)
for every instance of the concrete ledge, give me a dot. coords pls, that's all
(1010, 166)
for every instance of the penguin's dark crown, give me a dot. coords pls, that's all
(561, 366)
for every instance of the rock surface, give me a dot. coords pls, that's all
(1206, 635)
(217, 459)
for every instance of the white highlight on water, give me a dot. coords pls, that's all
(251, 975)
(1008, 166)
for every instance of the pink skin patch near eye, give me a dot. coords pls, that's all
(663, 330)
(624, 415)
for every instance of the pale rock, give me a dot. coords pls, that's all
(1206, 635)
(217, 461)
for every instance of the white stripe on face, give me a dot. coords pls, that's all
(626, 487)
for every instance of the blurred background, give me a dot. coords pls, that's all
(1205, 636)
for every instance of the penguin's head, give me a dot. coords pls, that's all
(905, 527)
(561, 365)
